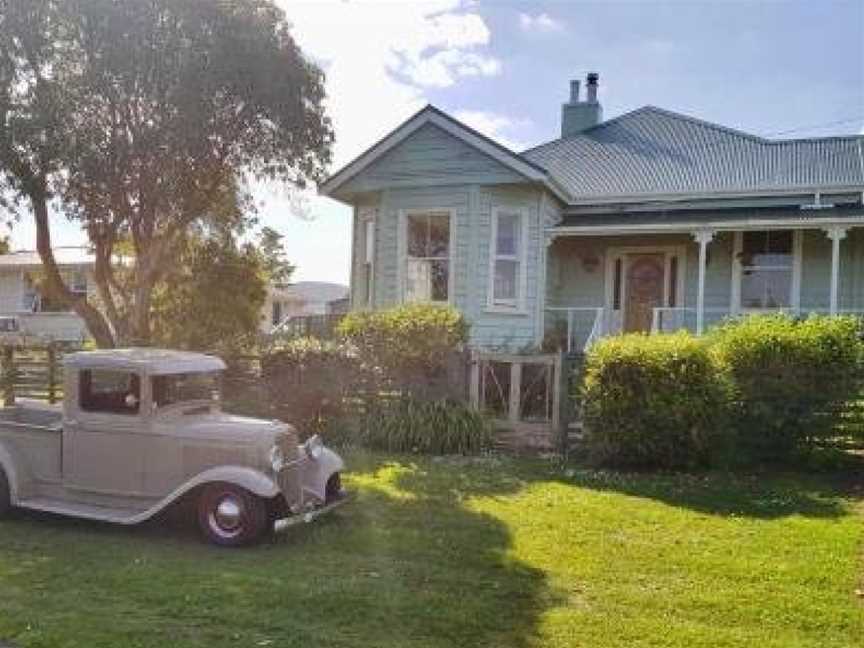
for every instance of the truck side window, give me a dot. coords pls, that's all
(114, 392)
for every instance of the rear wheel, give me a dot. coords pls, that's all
(5, 495)
(231, 516)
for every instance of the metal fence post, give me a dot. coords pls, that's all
(51, 352)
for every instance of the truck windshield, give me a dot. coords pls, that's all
(180, 388)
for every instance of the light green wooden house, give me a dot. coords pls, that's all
(651, 221)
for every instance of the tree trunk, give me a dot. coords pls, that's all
(54, 284)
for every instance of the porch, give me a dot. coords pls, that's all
(605, 281)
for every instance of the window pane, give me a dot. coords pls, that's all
(440, 278)
(508, 234)
(439, 235)
(418, 234)
(766, 289)
(370, 241)
(767, 249)
(426, 280)
(417, 280)
(506, 274)
(114, 392)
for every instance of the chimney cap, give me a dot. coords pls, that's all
(593, 78)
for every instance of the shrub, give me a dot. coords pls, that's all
(788, 378)
(410, 347)
(427, 427)
(309, 381)
(652, 401)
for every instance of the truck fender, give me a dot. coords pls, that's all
(316, 472)
(252, 480)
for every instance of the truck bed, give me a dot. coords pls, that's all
(38, 416)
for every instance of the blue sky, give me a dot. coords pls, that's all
(504, 67)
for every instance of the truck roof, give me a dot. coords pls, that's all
(145, 360)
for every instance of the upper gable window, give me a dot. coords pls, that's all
(108, 391)
(507, 258)
(427, 258)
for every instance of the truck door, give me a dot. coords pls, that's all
(104, 435)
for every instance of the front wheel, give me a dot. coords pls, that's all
(231, 516)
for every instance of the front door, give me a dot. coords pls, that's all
(644, 290)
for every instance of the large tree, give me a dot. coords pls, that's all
(144, 120)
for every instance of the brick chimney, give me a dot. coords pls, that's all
(576, 115)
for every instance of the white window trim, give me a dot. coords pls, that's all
(402, 252)
(367, 215)
(737, 274)
(518, 305)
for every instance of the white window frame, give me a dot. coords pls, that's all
(367, 216)
(738, 273)
(402, 245)
(517, 305)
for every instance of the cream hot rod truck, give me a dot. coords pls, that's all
(142, 429)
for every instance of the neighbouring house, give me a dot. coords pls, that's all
(25, 311)
(650, 221)
(304, 299)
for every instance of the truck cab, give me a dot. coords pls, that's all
(141, 429)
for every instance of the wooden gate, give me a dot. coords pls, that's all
(523, 396)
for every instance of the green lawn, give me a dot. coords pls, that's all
(495, 553)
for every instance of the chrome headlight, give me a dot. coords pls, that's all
(277, 458)
(314, 446)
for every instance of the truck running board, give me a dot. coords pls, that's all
(79, 510)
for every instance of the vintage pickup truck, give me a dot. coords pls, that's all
(141, 430)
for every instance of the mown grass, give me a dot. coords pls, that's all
(489, 552)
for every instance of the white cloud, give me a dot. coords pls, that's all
(380, 56)
(542, 22)
(494, 125)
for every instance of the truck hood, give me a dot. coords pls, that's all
(228, 427)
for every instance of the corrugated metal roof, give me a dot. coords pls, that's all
(655, 151)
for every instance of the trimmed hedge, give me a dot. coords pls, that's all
(652, 401)
(308, 381)
(395, 379)
(788, 377)
(763, 388)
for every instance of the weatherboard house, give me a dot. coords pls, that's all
(650, 221)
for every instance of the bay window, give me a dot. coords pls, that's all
(427, 256)
(507, 256)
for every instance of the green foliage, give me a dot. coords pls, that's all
(788, 378)
(213, 298)
(272, 250)
(426, 427)
(763, 388)
(652, 401)
(405, 338)
(309, 382)
(220, 94)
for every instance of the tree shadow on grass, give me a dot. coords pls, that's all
(767, 494)
(405, 564)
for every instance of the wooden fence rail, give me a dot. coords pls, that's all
(32, 372)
